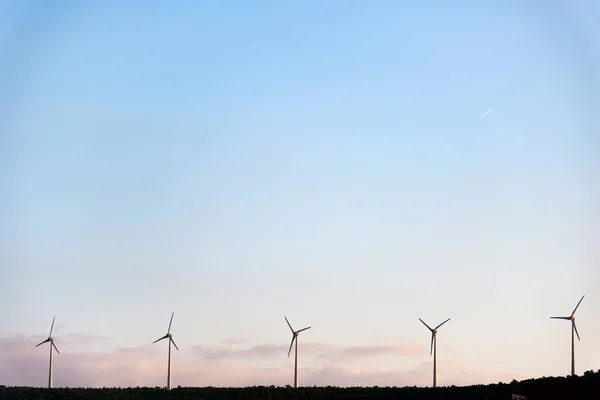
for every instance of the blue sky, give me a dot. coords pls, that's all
(236, 162)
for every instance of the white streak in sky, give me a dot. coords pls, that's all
(486, 113)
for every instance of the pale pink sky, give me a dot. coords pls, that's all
(231, 363)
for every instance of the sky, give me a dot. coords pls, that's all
(329, 161)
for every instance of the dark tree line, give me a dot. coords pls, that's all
(555, 388)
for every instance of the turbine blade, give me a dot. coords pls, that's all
(567, 318)
(170, 322)
(291, 344)
(288, 322)
(575, 328)
(428, 327)
(55, 348)
(41, 343)
(442, 323)
(159, 339)
(52, 326)
(303, 329)
(432, 339)
(577, 306)
(172, 341)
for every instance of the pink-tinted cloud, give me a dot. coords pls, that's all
(258, 351)
(22, 364)
(83, 338)
(70, 341)
(320, 350)
(233, 341)
(402, 349)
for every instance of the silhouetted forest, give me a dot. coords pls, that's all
(586, 386)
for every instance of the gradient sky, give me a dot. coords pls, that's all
(238, 161)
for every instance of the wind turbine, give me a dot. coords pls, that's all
(52, 345)
(433, 349)
(295, 337)
(573, 333)
(169, 336)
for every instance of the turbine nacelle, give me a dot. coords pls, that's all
(434, 332)
(294, 334)
(168, 335)
(50, 338)
(572, 318)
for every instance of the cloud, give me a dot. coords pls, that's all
(233, 341)
(83, 338)
(320, 350)
(258, 351)
(403, 349)
(70, 341)
(22, 364)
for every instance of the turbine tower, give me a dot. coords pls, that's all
(433, 349)
(295, 338)
(169, 336)
(573, 333)
(52, 347)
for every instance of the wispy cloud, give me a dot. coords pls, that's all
(258, 351)
(233, 341)
(402, 349)
(22, 364)
(83, 338)
(321, 351)
(70, 340)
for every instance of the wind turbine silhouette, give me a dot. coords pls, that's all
(52, 345)
(434, 347)
(169, 336)
(573, 333)
(295, 338)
